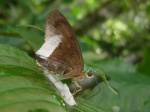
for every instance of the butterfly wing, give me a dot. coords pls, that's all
(61, 45)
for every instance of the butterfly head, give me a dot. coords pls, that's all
(89, 72)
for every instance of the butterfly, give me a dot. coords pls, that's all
(61, 54)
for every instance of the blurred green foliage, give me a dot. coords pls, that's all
(113, 35)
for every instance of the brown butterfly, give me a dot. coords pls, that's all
(60, 54)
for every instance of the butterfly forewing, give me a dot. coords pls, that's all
(63, 45)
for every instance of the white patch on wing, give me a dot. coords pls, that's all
(62, 88)
(49, 46)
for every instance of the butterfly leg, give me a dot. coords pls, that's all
(78, 88)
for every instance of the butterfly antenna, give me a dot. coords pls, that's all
(98, 88)
(96, 92)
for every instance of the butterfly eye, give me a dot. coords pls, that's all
(90, 73)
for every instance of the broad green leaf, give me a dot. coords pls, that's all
(134, 89)
(132, 97)
(33, 38)
(23, 86)
(10, 56)
(11, 38)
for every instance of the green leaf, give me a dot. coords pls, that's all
(22, 86)
(134, 89)
(132, 97)
(11, 38)
(11, 56)
(33, 38)
(86, 106)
